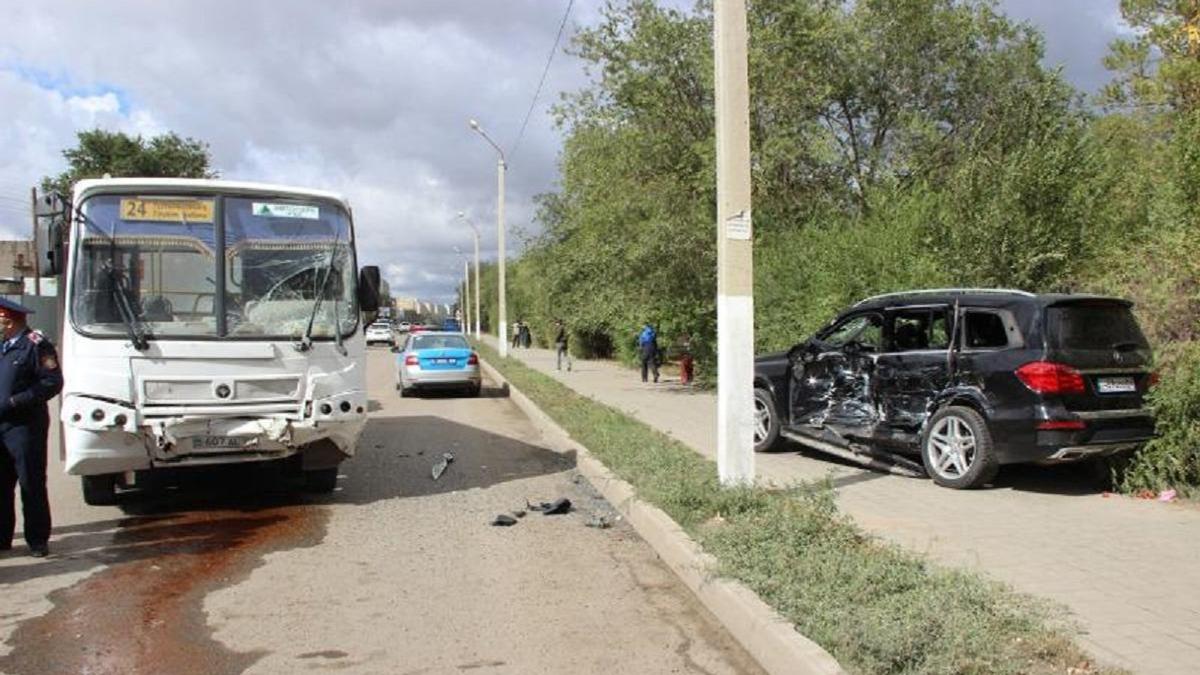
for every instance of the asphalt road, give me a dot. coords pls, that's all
(393, 573)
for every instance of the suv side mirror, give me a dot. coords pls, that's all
(368, 289)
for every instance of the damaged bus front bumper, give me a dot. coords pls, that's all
(102, 436)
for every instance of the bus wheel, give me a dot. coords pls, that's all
(100, 490)
(321, 481)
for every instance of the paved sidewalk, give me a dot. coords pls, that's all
(1128, 569)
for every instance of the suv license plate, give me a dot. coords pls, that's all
(1116, 385)
(217, 442)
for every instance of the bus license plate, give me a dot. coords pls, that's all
(1116, 385)
(217, 442)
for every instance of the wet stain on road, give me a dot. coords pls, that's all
(143, 613)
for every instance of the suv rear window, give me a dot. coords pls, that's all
(1093, 326)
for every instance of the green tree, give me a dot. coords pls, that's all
(100, 152)
(1158, 68)
(934, 113)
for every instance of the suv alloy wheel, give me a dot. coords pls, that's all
(956, 448)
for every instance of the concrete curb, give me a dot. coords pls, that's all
(774, 642)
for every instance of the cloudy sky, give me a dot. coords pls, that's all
(370, 98)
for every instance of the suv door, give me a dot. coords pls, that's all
(831, 376)
(915, 366)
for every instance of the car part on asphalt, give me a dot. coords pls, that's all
(503, 520)
(554, 508)
(439, 467)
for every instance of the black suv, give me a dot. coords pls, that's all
(969, 379)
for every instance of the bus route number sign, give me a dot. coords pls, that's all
(168, 210)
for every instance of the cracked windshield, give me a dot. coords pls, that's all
(152, 260)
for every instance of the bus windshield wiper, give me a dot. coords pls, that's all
(305, 343)
(120, 295)
(119, 290)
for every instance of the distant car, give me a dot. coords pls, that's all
(403, 326)
(437, 360)
(380, 332)
(451, 325)
(964, 379)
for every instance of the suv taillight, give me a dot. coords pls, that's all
(411, 360)
(473, 359)
(1046, 377)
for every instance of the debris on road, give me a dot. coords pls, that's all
(519, 513)
(440, 467)
(503, 520)
(1167, 496)
(554, 508)
(599, 522)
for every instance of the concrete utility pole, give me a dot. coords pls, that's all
(475, 230)
(37, 262)
(501, 167)
(735, 259)
(466, 291)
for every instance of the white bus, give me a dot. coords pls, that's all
(210, 322)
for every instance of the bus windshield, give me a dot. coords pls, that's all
(282, 263)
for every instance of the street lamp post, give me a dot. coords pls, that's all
(474, 229)
(466, 291)
(501, 167)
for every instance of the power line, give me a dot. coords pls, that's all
(538, 92)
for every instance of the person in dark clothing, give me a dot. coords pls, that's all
(560, 344)
(29, 377)
(516, 333)
(648, 351)
(526, 339)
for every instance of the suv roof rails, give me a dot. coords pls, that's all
(948, 291)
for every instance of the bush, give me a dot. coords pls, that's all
(806, 275)
(1172, 460)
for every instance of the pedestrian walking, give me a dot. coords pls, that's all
(29, 377)
(526, 338)
(648, 351)
(561, 348)
(516, 335)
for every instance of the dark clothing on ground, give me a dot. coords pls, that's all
(29, 377)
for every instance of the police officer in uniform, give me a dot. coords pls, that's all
(29, 377)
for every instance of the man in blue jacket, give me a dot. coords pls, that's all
(648, 350)
(30, 376)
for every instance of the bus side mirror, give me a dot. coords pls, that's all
(50, 235)
(368, 289)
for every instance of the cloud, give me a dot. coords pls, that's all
(1077, 34)
(370, 99)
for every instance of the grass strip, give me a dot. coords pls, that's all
(875, 607)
